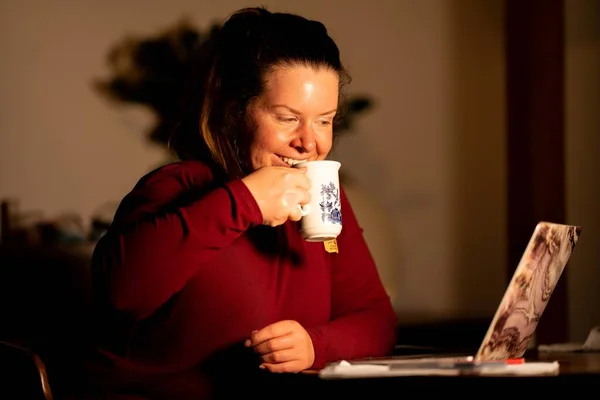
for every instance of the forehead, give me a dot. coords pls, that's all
(302, 84)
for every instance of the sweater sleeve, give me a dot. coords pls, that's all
(164, 229)
(363, 322)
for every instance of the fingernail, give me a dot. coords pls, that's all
(247, 343)
(261, 366)
(254, 331)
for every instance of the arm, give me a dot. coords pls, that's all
(363, 321)
(175, 219)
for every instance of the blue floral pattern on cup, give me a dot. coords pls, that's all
(330, 204)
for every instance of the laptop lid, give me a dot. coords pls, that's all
(529, 291)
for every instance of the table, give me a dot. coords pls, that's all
(579, 372)
(573, 364)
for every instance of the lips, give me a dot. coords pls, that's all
(277, 161)
(290, 161)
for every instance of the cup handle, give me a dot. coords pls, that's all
(304, 209)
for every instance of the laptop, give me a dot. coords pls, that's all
(526, 297)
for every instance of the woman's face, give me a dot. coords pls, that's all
(293, 119)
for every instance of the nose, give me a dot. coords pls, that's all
(304, 142)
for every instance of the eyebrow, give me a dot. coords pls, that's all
(299, 113)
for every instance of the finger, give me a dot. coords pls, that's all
(306, 197)
(293, 171)
(288, 366)
(281, 356)
(295, 214)
(276, 344)
(298, 178)
(291, 198)
(303, 182)
(280, 328)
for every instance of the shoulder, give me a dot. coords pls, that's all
(162, 186)
(183, 173)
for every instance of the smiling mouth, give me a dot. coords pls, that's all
(290, 161)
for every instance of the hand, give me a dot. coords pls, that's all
(284, 346)
(278, 192)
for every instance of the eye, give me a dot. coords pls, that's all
(325, 122)
(286, 119)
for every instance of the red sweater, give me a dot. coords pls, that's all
(187, 271)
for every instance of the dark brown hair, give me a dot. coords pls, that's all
(230, 73)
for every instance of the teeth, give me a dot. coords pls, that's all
(291, 161)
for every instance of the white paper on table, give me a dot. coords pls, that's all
(346, 370)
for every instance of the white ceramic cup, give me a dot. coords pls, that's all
(322, 217)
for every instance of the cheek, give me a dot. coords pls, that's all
(266, 141)
(269, 138)
(324, 144)
(257, 148)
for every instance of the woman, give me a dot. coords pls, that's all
(203, 277)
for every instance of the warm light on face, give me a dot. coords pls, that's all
(293, 118)
(309, 88)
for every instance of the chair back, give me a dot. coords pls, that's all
(22, 374)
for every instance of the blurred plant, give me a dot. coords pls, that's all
(150, 71)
